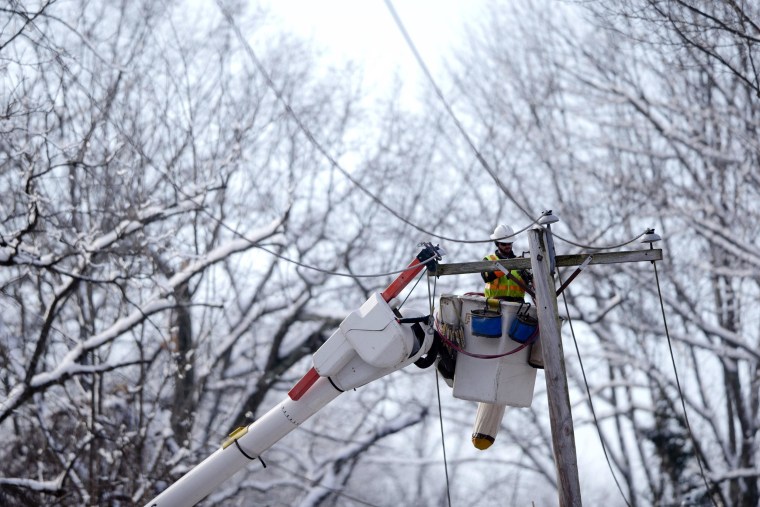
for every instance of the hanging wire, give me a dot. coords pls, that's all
(708, 487)
(375, 275)
(591, 247)
(337, 273)
(423, 273)
(462, 130)
(590, 400)
(431, 302)
(443, 437)
(322, 150)
(448, 108)
(311, 138)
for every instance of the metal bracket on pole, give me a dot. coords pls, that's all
(575, 273)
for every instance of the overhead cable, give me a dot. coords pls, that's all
(338, 273)
(334, 163)
(709, 488)
(448, 108)
(591, 247)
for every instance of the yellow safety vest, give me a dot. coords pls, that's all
(503, 286)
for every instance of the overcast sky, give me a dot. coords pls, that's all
(365, 31)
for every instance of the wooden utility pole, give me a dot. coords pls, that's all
(560, 416)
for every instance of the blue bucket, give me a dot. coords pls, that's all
(522, 328)
(486, 323)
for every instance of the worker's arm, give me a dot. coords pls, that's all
(490, 276)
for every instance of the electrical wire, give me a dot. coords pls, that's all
(322, 150)
(591, 247)
(708, 487)
(460, 127)
(413, 287)
(431, 303)
(448, 108)
(311, 138)
(338, 273)
(590, 400)
(443, 437)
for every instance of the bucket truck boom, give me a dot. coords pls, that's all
(372, 342)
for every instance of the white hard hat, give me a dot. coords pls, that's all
(503, 234)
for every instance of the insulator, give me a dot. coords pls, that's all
(547, 218)
(650, 237)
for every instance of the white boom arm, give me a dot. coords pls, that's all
(369, 344)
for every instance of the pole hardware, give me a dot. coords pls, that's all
(650, 237)
(547, 217)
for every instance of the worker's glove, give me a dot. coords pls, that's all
(498, 274)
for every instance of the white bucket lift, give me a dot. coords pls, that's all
(505, 380)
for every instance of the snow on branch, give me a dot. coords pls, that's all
(51, 486)
(18, 254)
(161, 300)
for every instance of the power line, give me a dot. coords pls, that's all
(697, 454)
(448, 108)
(591, 247)
(443, 438)
(462, 130)
(322, 150)
(221, 222)
(337, 273)
(319, 147)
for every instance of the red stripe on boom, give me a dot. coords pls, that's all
(303, 385)
(397, 285)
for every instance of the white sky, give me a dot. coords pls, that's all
(365, 31)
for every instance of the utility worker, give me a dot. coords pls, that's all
(498, 284)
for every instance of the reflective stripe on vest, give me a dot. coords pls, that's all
(503, 286)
